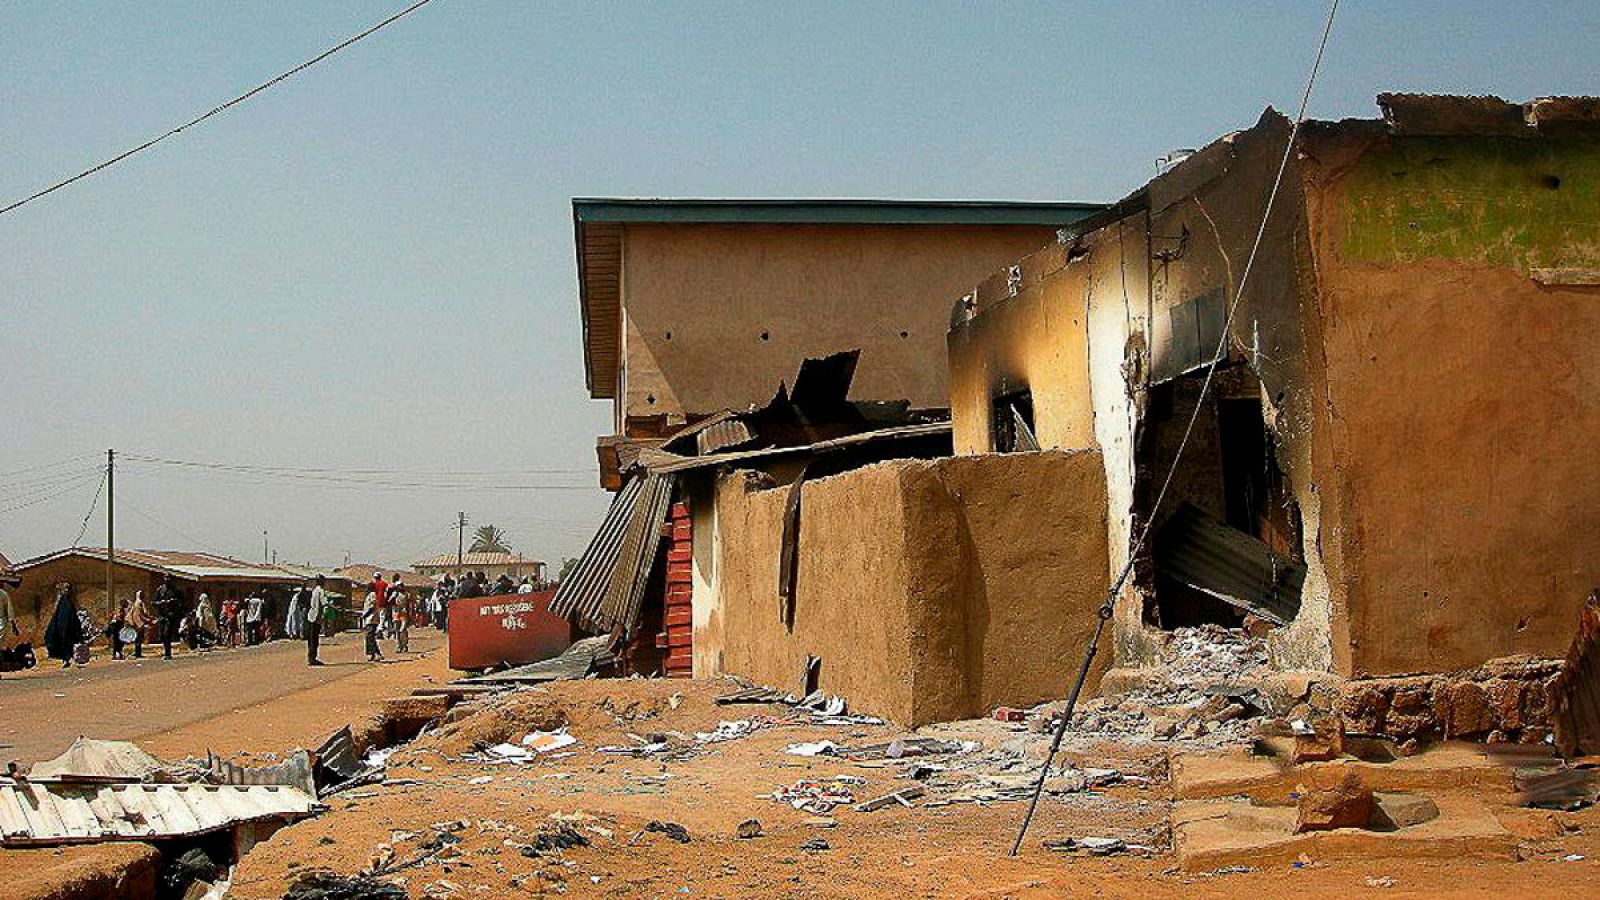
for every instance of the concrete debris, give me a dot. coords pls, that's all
(1333, 799)
(816, 845)
(815, 797)
(1190, 697)
(1394, 811)
(748, 829)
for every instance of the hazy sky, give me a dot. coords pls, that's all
(371, 266)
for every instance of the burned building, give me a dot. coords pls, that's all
(1389, 464)
(777, 369)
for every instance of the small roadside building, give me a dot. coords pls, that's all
(493, 564)
(219, 577)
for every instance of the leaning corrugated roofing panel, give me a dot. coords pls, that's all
(603, 592)
(58, 813)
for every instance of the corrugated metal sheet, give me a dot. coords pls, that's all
(60, 813)
(662, 463)
(603, 592)
(294, 772)
(1228, 564)
(585, 656)
(721, 434)
(93, 760)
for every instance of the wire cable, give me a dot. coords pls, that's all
(35, 501)
(1107, 607)
(215, 110)
(84, 529)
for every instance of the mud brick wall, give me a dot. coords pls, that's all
(1502, 700)
(931, 590)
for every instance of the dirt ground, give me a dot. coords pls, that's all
(464, 823)
(216, 696)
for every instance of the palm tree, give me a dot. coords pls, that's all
(489, 539)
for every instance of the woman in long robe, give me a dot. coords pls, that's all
(65, 630)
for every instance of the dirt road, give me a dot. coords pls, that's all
(41, 711)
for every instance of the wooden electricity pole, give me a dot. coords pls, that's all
(461, 541)
(111, 534)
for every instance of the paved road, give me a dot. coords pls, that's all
(42, 710)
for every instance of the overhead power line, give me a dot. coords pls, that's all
(214, 111)
(362, 478)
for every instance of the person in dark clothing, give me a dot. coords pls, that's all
(504, 584)
(468, 587)
(169, 612)
(65, 630)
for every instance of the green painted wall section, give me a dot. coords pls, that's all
(1498, 201)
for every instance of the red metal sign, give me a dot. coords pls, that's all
(508, 629)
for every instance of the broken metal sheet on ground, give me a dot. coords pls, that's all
(54, 813)
(1236, 568)
(89, 759)
(578, 661)
(337, 755)
(294, 772)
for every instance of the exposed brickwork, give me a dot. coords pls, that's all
(1502, 700)
(677, 634)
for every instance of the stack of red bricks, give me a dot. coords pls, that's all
(677, 636)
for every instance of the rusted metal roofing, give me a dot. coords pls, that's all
(603, 592)
(1228, 564)
(361, 573)
(33, 813)
(95, 760)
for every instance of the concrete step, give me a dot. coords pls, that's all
(1212, 834)
(1272, 781)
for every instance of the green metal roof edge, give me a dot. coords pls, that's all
(828, 212)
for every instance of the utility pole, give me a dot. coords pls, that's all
(264, 555)
(111, 534)
(461, 541)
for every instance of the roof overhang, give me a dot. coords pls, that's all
(598, 224)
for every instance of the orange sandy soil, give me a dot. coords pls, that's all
(950, 851)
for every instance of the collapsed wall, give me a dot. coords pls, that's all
(930, 590)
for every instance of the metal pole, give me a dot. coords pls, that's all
(461, 539)
(1102, 616)
(111, 534)
(264, 555)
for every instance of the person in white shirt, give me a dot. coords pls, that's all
(252, 618)
(316, 608)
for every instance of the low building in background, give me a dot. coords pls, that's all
(221, 578)
(494, 564)
(359, 575)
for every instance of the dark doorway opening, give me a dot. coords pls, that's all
(1226, 540)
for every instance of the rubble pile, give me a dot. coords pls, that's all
(1503, 700)
(1196, 694)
